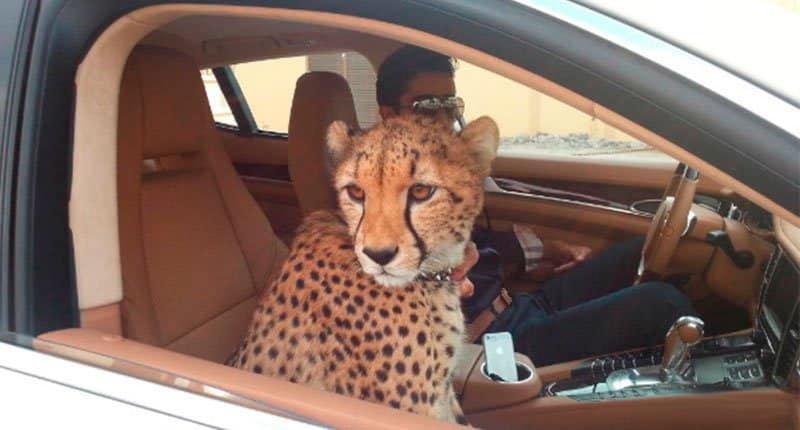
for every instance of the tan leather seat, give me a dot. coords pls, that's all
(196, 248)
(319, 99)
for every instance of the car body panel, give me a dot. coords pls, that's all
(32, 379)
(17, 20)
(731, 39)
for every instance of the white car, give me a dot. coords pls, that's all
(140, 217)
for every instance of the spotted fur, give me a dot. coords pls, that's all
(334, 318)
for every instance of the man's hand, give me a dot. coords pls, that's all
(564, 256)
(460, 273)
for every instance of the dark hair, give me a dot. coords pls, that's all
(403, 66)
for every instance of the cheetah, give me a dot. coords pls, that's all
(361, 306)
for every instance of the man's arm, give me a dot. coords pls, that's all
(542, 259)
(460, 273)
(546, 258)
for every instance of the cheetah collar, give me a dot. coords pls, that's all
(444, 275)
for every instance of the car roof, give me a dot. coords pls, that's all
(756, 40)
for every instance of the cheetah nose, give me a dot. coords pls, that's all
(381, 256)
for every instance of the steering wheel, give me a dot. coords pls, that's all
(670, 223)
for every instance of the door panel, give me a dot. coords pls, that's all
(613, 177)
(277, 199)
(260, 160)
(569, 190)
(260, 155)
(591, 226)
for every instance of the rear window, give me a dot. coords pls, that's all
(268, 87)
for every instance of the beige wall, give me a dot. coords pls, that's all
(269, 86)
(520, 110)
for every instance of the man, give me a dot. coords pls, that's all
(585, 306)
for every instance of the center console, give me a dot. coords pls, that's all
(749, 378)
(765, 356)
(721, 363)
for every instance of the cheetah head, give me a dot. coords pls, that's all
(410, 190)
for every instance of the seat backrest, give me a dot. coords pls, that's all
(319, 99)
(196, 249)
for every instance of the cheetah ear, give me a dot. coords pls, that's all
(338, 140)
(483, 137)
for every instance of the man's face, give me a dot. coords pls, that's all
(428, 84)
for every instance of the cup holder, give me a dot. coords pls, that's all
(524, 374)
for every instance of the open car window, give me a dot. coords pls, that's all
(533, 125)
(267, 88)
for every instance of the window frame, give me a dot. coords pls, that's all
(237, 102)
(236, 99)
(240, 108)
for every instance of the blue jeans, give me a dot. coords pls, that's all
(592, 310)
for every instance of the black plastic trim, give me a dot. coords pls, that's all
(272, 134)
(235, 99)
(17, 21)
(45, 296)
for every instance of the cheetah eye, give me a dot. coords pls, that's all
(355, 192)
(421, 192)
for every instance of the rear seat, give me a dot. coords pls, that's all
(320, 98)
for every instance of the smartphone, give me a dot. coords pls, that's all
(499, 351)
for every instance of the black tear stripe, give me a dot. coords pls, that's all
(413, 168)
(418, 242)
(363, 204)
(358, 226)
(456, 198)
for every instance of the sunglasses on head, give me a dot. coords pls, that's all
(430, 105)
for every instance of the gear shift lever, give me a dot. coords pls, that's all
(686, 332)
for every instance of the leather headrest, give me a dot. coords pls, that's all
(319, 99)
(163, 103)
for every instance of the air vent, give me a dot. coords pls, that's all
(765, 285)
(773, 262)
(786, 362)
